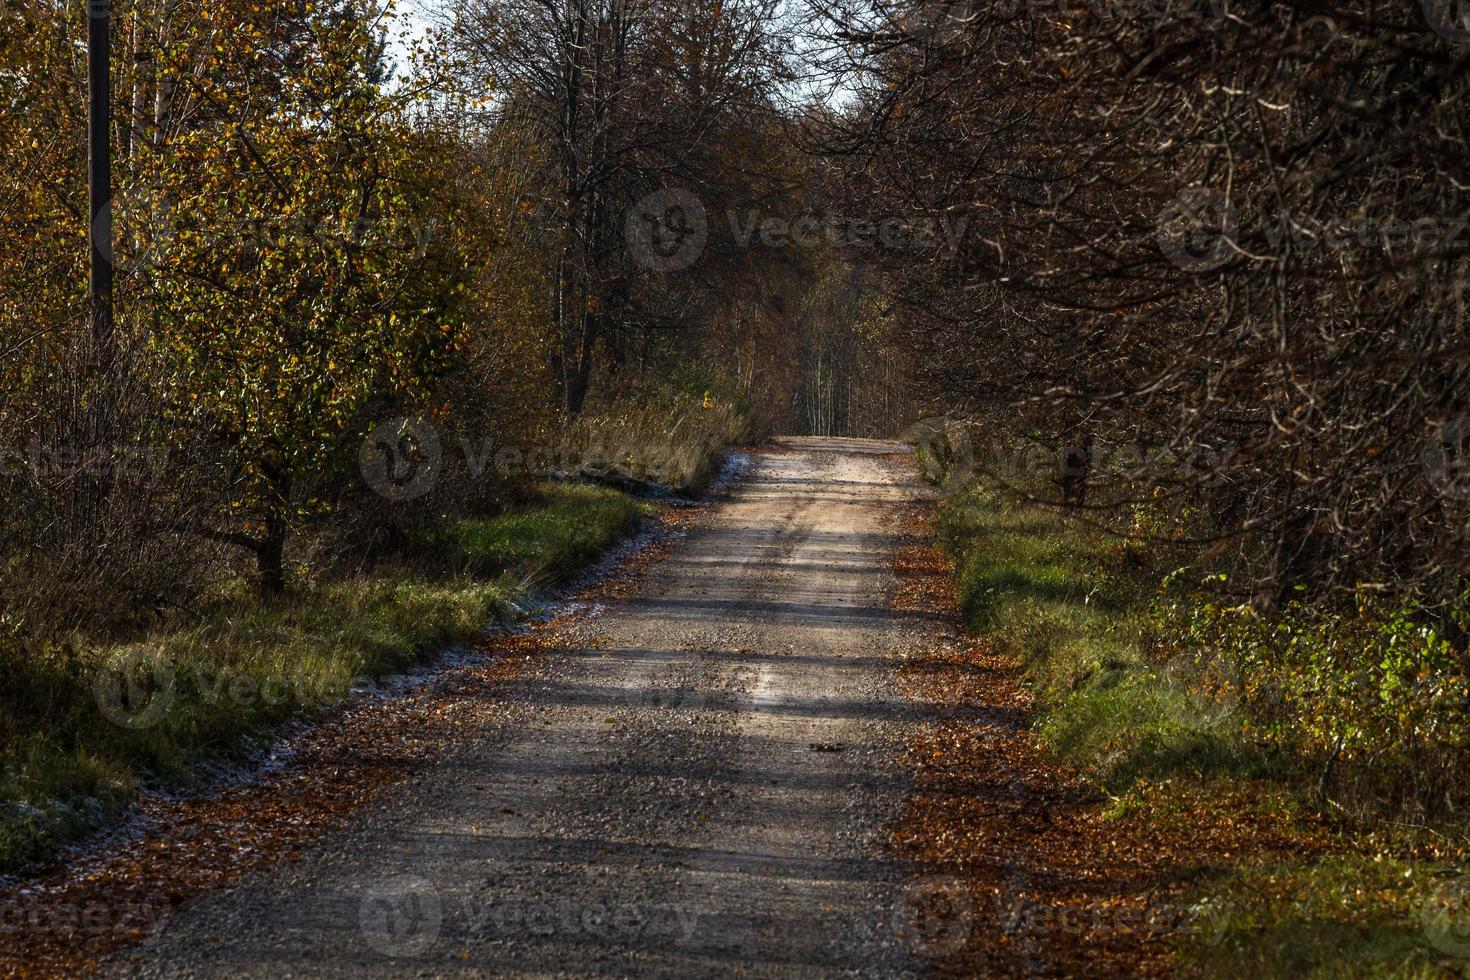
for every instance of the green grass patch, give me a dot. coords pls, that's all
(83, 725)
(572, 525)
(1339, 917)
(1062, 597)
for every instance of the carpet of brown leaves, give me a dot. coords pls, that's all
(1052, 885)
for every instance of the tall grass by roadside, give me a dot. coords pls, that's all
(84, 723)
(671, 434)
(551, 541)
(1167, 699)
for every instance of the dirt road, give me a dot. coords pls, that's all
(695, 782)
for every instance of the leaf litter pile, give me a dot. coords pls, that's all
(113, 895)
(1026, 874)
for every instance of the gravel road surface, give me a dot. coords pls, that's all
(694, 783)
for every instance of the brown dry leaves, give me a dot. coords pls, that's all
(1057, 887)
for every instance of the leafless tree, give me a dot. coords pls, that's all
(630, 98)
(1225, 235)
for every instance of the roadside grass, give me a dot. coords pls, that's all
(670, 435)
(84, 726)
(549, 543)
(1071, 603)
(1118, 703)
(1341, 916)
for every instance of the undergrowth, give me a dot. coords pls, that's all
(1076, 608)
(85, 724)
(669, 434)
(1354, 721)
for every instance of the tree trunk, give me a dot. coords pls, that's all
(576, 394)
(1075, 469)
(270, 551)
(270, 559)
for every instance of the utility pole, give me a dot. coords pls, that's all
(99, 176)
